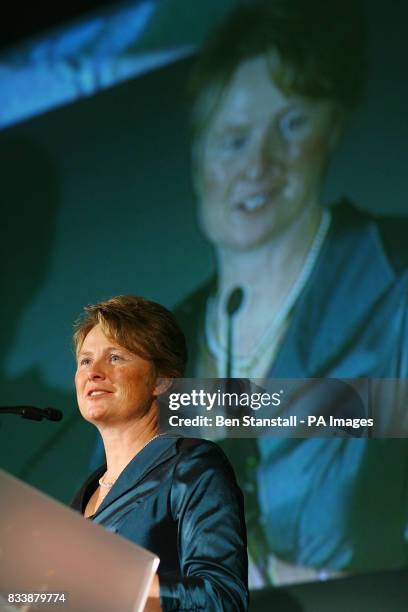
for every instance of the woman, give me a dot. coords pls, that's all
(324, 288)
(176, 497)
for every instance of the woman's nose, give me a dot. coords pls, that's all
(256, 169)
(96, 371)
(262, 159)
(266, 158)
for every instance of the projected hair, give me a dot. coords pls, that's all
(316, 49)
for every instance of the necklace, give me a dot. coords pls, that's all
(245, 364)
(108, 484)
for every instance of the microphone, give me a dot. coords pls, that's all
(234, 303)
(33, 413)
(53, 414)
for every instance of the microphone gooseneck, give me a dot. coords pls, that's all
(33, 413)
(233, 305)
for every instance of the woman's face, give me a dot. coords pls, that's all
(259, 164)
(113, 385)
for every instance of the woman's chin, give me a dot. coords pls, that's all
(94, 414)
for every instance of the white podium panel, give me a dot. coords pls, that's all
(47, 549)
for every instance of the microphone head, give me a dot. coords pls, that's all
(52, 414)
(30, 412)
(234, 301)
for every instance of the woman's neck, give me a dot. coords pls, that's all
(266, 274)
(279, 259)
(122, 441)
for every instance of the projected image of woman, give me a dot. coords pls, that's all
(325, 288)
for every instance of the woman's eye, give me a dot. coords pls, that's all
(293, 123)
(233, 143)
(115, 357)
(84, 361)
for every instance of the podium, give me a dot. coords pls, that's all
(52, 558)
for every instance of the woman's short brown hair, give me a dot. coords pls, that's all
(319, 44)
(141, 326)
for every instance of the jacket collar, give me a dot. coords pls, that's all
(350, 276)
(158, 451)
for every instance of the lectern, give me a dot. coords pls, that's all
(52, 558)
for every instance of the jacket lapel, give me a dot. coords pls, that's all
(350, 277)
(156, 452)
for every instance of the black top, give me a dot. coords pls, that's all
(179, 499)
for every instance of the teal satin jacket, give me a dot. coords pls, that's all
(179, 499)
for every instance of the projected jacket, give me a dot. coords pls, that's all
(335, 503)
(178, 498)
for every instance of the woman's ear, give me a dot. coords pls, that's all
(162, 385)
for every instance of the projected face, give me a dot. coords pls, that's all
(260, 162)
(113, 385)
